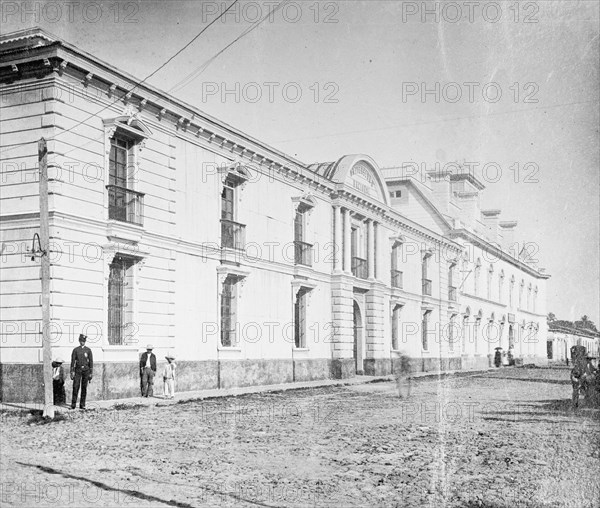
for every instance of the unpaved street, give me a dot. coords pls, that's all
(505, 439)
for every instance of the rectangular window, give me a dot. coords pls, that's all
(425, 330)
(396, 327)
(227, 208)
(426, 282)
(232, 233)
(124, 203)
(118, 162)
(451, 333)
(300, 319)
(228, 312)
(451, 286)
(358, 264)
(120, 299)
(396, 274)
(302, 249)
(299, 227)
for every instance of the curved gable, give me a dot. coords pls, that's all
(360, 175)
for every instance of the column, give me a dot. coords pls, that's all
(347, 240)
(337, 238)
(370, 249)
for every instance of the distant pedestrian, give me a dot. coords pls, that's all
(169, 377)
(402, 371)
(147, 371)
(58, 381)
(82, 368)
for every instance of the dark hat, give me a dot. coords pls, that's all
(82, 337)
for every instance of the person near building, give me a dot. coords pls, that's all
(58, 381)
(402, 375)
(82, 368)
(147, 371)
(169, 377)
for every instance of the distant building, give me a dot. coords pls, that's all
(170, 227)
(560, 340)
(498, 290)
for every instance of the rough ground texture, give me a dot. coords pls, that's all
(504, 439)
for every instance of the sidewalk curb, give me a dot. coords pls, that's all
(202, 395)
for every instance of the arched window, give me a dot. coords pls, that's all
(535, 294)
(465, 329)
(511, 291)
(501, 286)
(529, 297)
(476, 274)
(476, 328)
(490, 274)
(521, 286)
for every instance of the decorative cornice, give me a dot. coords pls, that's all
(496, 251)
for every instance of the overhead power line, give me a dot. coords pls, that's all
(139, 82)
(201, 68)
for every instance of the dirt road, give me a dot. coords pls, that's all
(492, 441)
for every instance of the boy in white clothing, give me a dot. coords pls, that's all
(169, 377)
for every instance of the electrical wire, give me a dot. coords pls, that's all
(139, 82)
(201, 68)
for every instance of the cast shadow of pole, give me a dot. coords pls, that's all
(136, 494)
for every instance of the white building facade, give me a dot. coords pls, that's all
(170, 227)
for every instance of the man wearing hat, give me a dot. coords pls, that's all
(82, 366)
(58, 381)
(147, 371)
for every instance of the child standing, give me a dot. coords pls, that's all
(169, 377)
(58, 381)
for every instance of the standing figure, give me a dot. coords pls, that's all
(498, 357)
(169, 377)
(403, 380)
(58, 381)
(82, 367)
(147, 371)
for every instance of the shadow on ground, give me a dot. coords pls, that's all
(136, 494)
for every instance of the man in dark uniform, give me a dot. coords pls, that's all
(82, 365)
(147, 371)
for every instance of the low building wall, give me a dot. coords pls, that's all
(118, 380)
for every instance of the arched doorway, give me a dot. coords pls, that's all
(358, 350)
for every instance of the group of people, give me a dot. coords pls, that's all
(148, 371)
(82, 368)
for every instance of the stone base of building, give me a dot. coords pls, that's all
(116, 380)
(24, 382)
(343, 368)
(377, 366)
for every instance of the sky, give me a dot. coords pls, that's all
(512, 87)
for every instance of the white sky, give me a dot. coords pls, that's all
(362, 54)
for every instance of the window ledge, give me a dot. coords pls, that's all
(233, 349)
(124, 347)
(301, 349)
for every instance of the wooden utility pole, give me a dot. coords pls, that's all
(45, 276)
